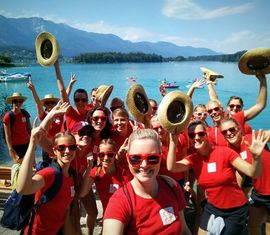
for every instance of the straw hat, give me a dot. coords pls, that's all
(15, 96)
(174, 111)
(255, 61)
(210, 74)
(102, 94)
(47, 49)
(49, 97)
(137, 102)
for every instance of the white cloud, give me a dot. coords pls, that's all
(188, 10)
(127, 33)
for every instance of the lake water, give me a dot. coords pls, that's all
(148, 74)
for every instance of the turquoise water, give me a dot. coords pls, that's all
(148, 74)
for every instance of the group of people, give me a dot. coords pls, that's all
(143, 175)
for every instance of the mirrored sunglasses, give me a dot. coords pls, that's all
(231, 130)
(216, 109)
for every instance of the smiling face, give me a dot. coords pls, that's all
(65, 149)
(98, 120)
(198, 136)
(106, 155)
(234, 106)
(144, 172)
(120, 123)
(215, 111)
(232, 132)
(80, 100)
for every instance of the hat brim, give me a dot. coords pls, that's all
(137, 102)
(104, 96)
(9, 99)
(255, 61)
(175, 111)
(211, 73)
(47, 49)
(49, 99)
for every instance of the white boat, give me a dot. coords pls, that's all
(14, 77)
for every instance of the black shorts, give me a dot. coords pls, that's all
(235, 219)
(20, 149)
(258, 200)
(247, 182)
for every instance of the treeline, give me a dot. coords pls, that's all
(5, 61)
(222, 58)
(117, 57)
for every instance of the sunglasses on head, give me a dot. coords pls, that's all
(214, 109)
(101, 118)
(201, 114)
(151, 159)
(109, 154)
(62, 147)
(199, 133)
(232, 106)
(49, 102)
(18, 101)
(80, 99)
(231, 130)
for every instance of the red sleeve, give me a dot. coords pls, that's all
(119, 207)
(48, 175)
(6, 118)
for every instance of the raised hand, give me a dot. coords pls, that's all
(198, 83)
(73, 79)
(30, 85)
(258, 143)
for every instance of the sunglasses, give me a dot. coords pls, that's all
(201, 114)
(232, 106)
(214, 109)
(157, 127)
(83, 100)
(199, 133)
(231, 130)
(18, 101)
(62, 147)
(49, 102)
(151, 158)
(109, 154)
(155, 108)
(101, 118)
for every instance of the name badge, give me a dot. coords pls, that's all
(72, 191)
(113, 187)
(167, 215)
(243, 155)
(211, 167)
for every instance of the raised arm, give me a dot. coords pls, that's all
(39, 105)
(87, 181)
(26, 182)
(261, 99)
(256, 147)
(72, 81)
(196, 84)
(60, 82)
(172, 164)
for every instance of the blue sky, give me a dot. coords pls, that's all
(224, 26)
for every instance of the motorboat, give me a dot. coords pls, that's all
(167, 84)
(14, 77)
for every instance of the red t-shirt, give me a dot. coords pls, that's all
(79, 164)
(19, 133)
(262, 183)
(55, 127)
(159, 215)
(106, 184)
(50, 216)
(216, 175)
(72, 117)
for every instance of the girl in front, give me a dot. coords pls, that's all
(148, 204)
(106, 175)
(215, 169)
(50, 216)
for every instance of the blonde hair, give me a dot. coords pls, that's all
(141, 134)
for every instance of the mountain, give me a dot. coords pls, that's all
(22, 32)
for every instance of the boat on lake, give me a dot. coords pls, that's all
(168, 84)
(14, 77)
